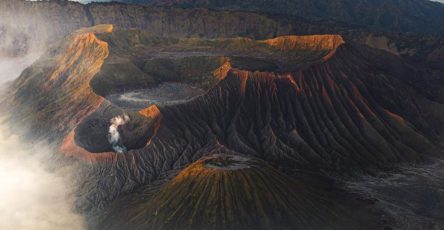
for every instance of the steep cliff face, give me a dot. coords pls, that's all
(64, 75)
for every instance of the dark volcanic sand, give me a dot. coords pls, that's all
(412, 194)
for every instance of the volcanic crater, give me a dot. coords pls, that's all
(150, 69)
(223, 191)
(314, 103)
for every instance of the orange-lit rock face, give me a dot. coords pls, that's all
(69, 148)
(151, 112)
(84, 58)
(76, 64)
(98, 29)
(215, 165)
(309, 42)
(327, 43)
(80, 60)
(243, 77)
(221, 72)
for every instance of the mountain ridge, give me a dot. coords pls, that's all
(177, 22)
(416, 16)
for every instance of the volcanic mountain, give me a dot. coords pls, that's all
(235, 192)
(318, 104)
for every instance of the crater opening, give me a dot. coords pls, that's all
(168, 93)
(113, 130)
(226, 162)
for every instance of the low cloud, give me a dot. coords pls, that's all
(11, 68)
(31, 196)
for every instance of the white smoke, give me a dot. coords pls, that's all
(114, 135)
(31, 197)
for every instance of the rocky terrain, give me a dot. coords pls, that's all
(311, 106)
(223, 190)
(413, 16)
(177, 118)
(36, 24)
(417, 16)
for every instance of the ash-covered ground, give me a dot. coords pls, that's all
(168, 93)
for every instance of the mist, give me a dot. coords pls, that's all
(31, 195)
(7, 73)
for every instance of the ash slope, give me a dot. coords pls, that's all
(345, 111)
(233, 192)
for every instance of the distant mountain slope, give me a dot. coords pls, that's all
(418, 16)
(39, 23)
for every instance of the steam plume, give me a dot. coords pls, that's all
(114, 135)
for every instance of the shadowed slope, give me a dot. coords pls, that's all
(332, 117)
(420, 16)
(235, 192)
